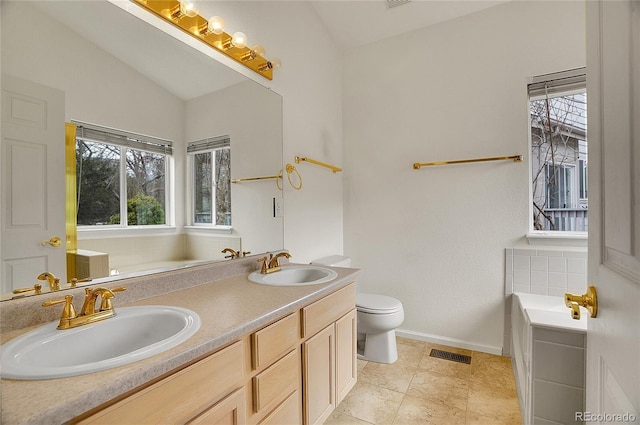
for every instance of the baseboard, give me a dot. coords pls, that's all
(451, 342)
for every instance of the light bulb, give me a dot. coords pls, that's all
(188, 8)
(258, 49)
(275, 63)
(216, 25)
(239, 40)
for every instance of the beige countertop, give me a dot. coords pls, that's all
(228, 309)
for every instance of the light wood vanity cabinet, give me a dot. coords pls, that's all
(261, 379)
(329, 356)
(187, 394)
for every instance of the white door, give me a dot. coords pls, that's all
(613, 95)
(33, 183)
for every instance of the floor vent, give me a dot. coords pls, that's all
(460, 358)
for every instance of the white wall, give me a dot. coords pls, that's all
(310, 82)
(435, 237)
(252, 117)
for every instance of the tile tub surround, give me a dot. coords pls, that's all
(542, 272)
(420, 389)
(229, 307)
(545, 271)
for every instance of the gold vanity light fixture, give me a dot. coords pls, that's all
(185, 16)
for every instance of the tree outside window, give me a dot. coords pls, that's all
(559, 161)
(100, 195)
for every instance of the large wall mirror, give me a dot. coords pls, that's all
(104, 66)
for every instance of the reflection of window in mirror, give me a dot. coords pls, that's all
(120, 178)
(210, 161)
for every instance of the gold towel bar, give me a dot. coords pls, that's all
(516, 158)
(333, 168)
(248, 179)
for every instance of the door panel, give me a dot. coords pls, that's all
(33, 182)
(613, 90)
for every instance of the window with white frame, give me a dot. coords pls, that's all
(558, 117)
(121, 177)
(210, 162)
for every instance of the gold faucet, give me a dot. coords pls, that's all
(54, 282)
(589, 300)
(70, 319)
(233, 253)
(270, 264)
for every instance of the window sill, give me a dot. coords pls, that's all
(97, 232)
(558, 238)
(220, 230)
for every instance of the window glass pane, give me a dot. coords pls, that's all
(202, 180)
(223, 186)
(145, 188)
(558, 161)
(97, 183)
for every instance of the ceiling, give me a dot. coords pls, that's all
(353, 23)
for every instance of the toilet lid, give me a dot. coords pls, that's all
(373, 303)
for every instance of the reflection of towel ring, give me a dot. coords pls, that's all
(278, 178)
(290, 170)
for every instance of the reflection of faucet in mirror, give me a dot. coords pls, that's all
(233, 253)
(54, 282)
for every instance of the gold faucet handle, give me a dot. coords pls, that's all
(263, 260)
(68, 312)
(37, 289)
(107, 296)
(589, 300)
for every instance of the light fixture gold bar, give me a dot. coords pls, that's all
(249, 179)
(322, 164)
(192, 26)
(515, 158)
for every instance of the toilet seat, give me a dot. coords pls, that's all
(377, 304)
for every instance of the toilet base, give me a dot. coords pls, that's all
(379, 347)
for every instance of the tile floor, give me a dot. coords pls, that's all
(419, 389)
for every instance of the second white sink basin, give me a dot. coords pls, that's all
(295, 275)
(135, 333)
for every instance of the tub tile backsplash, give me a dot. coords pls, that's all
(545, 272)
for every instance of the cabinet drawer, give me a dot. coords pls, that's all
(288, 412)
(272, 342)
(277, 382)
(318, 315)
(181, 396)
(230, 411)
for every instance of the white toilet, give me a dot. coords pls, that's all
(378, 318)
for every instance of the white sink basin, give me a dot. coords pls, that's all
(135, 333)
(296, 275)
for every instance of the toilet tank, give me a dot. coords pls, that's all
(333, 261)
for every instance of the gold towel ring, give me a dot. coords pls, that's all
(278, 178)
(290, 170)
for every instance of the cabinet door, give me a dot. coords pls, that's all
(318, 354)
(346, 355)
(230, 411)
